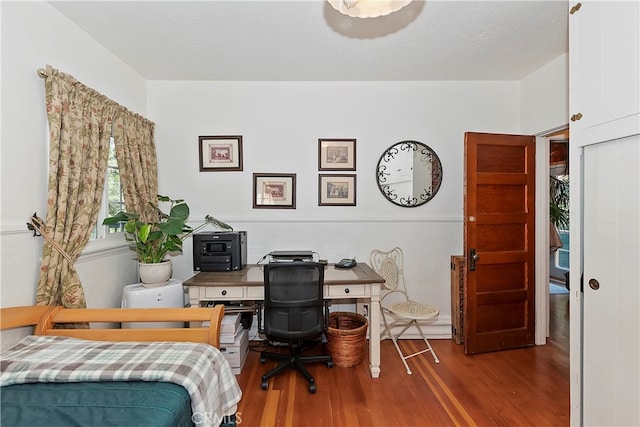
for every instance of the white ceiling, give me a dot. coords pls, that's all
(309, 40)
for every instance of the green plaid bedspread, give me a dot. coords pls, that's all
(200, 368)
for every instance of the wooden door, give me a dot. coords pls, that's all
(499, 242)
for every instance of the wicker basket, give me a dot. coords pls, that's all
(347, 338)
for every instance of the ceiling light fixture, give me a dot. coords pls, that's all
(368, 8)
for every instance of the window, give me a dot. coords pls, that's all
(112, 198)
(562, 254)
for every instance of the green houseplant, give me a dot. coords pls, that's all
(152, 241)
(559, 202)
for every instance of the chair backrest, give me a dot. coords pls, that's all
(389, 265)
(293, 300)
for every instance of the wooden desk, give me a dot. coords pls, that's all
(359, 282)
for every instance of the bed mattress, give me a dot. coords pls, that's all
(115, 403)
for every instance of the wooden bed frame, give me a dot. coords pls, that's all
(46, 318)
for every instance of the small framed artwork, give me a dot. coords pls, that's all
(220, 153)
(336, 190)
(274, 190)
(336, 154)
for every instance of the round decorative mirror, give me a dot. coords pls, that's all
(409, 174)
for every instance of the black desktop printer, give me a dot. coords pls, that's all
(219, 250)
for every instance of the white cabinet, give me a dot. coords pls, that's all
(604, 102)
(604, 69)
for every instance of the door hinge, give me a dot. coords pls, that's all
(575, 8)
(576, 117)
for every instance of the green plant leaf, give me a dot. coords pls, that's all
(130, 227)
(117, 218)
(173, 245)
(180, 211)
(172, 227)
(155, 236)
(143, 234)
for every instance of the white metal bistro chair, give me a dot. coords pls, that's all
(400, 311)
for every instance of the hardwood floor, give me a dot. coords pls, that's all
(523, 387)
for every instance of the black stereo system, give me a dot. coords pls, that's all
(219, 250)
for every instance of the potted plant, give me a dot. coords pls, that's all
(152, 241)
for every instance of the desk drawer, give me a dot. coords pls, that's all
(222, 292)
(346, 291)
(255, 292)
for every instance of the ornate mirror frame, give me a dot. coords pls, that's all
(409, 174)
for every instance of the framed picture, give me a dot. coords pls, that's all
(337, 154)
(220, 153)
(336, 190)
(274, 190)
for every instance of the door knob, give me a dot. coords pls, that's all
(473, 258)
(594, 284)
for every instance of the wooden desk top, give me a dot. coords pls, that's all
(252, 274)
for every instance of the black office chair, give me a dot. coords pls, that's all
(295, 313)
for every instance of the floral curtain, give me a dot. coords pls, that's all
(79, 132)
(136, 155)
(80, 127)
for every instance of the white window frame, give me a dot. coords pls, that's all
(104, 240)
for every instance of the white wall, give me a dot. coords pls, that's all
(281, 122)
(34, 34)
(544, 102)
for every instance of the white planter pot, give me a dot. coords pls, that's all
(158, 274)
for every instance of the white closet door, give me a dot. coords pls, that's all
(611, 328)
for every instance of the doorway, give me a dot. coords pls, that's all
(559, 212)
(544, 258)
